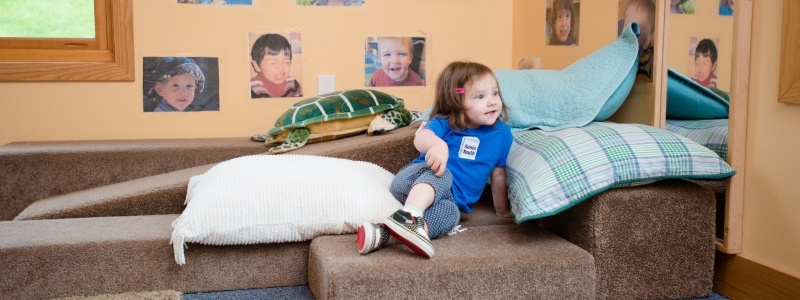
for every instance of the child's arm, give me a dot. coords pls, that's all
(500, 192)
(435, 149)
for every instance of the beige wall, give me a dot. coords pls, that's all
(772, 192)
(333, 43)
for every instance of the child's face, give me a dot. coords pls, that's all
(275, 68)
(178, 90)
(482, 100)
(563, 24)
(634, 13)
(703, 67)
(395, 58)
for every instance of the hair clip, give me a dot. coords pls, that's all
(459, 90)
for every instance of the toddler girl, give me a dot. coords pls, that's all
(462, 145)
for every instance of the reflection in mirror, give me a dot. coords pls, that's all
(701, 63)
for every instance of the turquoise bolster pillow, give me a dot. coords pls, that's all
(620, 94)
(688, 100)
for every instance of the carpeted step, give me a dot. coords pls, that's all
(165, 193)
(153, 195)
(653, 241)
(31, 171)
(488, 262)
(45, 259)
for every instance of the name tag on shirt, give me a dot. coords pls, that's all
(469, 147)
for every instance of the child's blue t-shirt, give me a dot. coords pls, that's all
(474, 153)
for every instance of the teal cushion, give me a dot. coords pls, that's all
(713, 134)
(620, 94)
(688, 100)
(549, 172)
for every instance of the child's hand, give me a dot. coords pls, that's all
(436, 158)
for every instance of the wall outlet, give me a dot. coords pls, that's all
(326, 84)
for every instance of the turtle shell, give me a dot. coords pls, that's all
(331, 107)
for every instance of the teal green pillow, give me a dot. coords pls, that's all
(620, 94)
(549, 172)
(688, 100)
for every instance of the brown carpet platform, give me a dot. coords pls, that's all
(94, 217)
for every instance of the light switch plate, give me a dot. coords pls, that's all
(326, 84)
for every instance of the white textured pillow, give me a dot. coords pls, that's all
(281, 198)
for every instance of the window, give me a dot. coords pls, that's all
(106, 57)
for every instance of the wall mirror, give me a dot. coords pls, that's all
(708, 42)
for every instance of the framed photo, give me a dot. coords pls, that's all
(394, 61)
(180, 84)
(562, 22)
(276, 64)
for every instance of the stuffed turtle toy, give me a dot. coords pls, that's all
(336, 115)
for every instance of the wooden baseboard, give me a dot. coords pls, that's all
(739, 278)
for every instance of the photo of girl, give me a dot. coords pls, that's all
(562, 22)
(179, 84)
(394, 61)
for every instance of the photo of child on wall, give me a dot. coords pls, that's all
(681, 7)
(180, 84)
(394, 61)
(562, 19)
(703, 61)
(726, 7)
(275, 65)
(643, 12)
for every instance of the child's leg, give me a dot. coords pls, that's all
(442, 216)
(419, 189)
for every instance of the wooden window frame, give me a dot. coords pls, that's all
(109, 57)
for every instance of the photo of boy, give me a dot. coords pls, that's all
(178, 84)
(562, 23)
(643, 12)
(705, 63)
(271, 57)
(394, 61)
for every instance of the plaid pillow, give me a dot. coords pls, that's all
(549, 172)
(710, 133)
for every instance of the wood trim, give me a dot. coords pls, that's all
(789, 82)
(738, 278)
(660, 67)
(116, 64)
(737, 127)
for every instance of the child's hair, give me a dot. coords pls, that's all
(562, 5)
(649, 7)
(272, 44)
(167, 67)
(450, 102)
(406, 41)
(706, 48)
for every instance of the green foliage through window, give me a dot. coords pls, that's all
(47, 19)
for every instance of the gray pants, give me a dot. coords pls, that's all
(443, 214)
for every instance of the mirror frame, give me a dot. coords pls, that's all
(737, 127)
